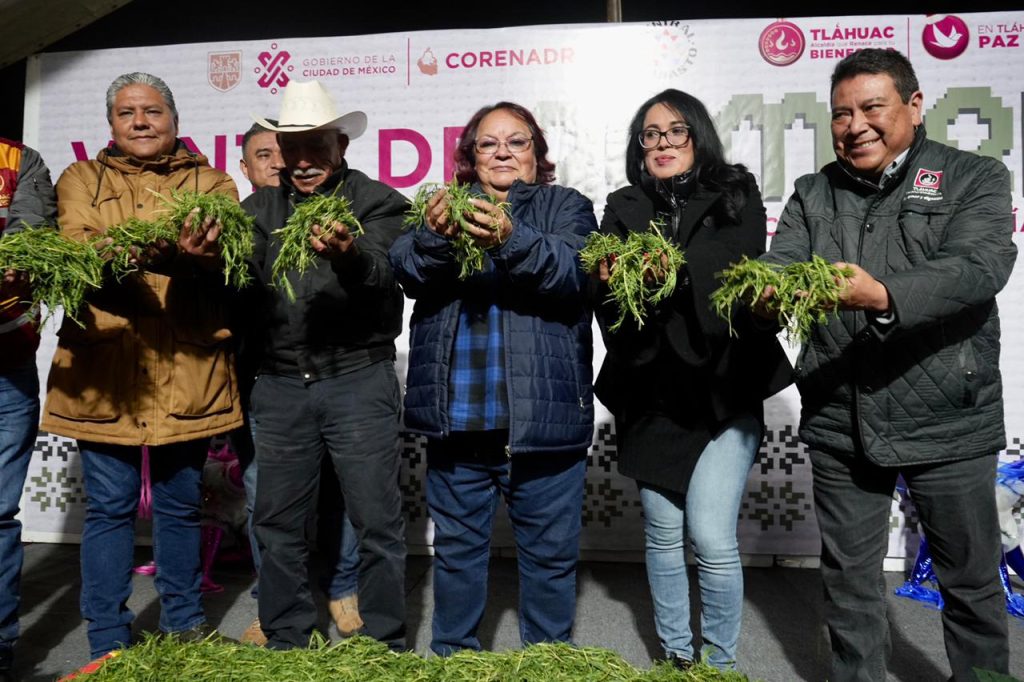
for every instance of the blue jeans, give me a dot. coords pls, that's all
(956, 504)
(466, 475)
(19, 419)
(353, 419)
(112, 485)
(241, 441)
(707, 515)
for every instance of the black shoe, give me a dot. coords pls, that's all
(679, 663)
(202, 633)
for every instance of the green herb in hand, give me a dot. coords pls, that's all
(128, 238)
(643, 269)
(805, 292)
(468, 254)
(743, 282)
(236, 237)
(60, 271)
(296, 250)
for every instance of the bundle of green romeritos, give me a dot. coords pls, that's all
(296, 250)
(361, 659)
(805, 292)
(468, 254)
(60, 271)
(236, 235)
(126, 239)
(639, 277)
(136, 234)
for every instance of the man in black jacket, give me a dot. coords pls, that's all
(905, 379)
(326, 384)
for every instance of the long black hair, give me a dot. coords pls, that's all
(711, 170)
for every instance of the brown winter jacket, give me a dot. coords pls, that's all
(153, 364)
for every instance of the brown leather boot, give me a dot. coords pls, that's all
(254, 635)
(345, 612)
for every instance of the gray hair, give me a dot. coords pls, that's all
(139, 78)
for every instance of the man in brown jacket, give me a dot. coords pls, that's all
(151, 366)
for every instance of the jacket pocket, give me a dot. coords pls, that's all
(202, 382)
(84, 383)
(967, 363)
(921, 231)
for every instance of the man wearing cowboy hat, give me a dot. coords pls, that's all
(326, 385)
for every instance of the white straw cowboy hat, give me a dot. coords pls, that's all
(307, 106)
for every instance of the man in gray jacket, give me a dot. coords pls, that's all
(905, 379)
(26, 199)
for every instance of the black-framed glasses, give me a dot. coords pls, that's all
(676, 136)
(485, 146)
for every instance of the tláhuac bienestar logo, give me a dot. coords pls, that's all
(781, 43)
(945, 36)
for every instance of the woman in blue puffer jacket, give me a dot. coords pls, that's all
(500, 378)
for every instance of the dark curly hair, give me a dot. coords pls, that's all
(710, 168)
(465, 155)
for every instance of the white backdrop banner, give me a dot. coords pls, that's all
(765, 82)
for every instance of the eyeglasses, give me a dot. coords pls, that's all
(676, 136)
(486, 146)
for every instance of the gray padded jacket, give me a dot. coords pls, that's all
(925, 387)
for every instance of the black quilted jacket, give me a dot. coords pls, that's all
(927, 387)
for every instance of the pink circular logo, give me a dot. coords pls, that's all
(781, 43)
(945, 36)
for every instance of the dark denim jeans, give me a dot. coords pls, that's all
(956, 504)
(336, 536)
(112, 485)
(354, 420)
(466, 475)
(19, 419)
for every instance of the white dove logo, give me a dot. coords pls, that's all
(947, 41)
(945, 36)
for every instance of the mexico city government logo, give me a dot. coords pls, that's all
(224, 70)
(273, 69)
(781, 43)
(945, 36)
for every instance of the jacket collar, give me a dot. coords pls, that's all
(116, 160)
(519, 192)
(180, 156)
(683, 198)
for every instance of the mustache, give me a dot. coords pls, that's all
(307, 173)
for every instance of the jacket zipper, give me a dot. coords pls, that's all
(864, 226)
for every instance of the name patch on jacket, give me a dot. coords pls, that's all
(927, 186)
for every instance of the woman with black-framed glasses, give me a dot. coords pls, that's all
(687, 397)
